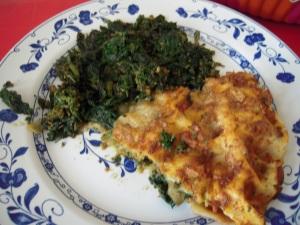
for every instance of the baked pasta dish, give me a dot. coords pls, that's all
(220, 148)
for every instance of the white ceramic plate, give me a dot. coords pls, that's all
(72, 181)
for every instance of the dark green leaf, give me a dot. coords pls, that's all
(159, 182)
(13, 100)
(166, 139)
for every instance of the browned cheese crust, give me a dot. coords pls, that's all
(236, 143)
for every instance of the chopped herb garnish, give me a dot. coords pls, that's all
(166, 140)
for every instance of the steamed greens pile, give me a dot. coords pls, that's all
(120, 64)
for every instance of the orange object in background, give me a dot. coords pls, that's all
(254, 7)
(282, 10)
(278, 10)
(267, 8)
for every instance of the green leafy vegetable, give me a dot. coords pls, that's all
(117, 160)
(45, 104)
(181, 147)
(63, 119)
(102, 115)
(13, 100)
(120, 64)
(159, 182)
(166, 140)
(8, 84)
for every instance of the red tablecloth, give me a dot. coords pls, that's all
(18, 17)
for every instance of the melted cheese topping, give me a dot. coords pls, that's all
(236, 142)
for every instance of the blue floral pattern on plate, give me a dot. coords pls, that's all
(91, 139)
(133, 9)
(128, 164)
(252, 39)
(85, 17)
(291, 198)
(20, 201)
(276, 217)
(60, 31)
(38, 48)
(19, 208)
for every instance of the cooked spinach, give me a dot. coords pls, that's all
(118, 64)
(166, 140)
(14, 100)
(8, 84)
(159, 182)
(64, 118)
(181, 147)
(117, 160)
(144, 163)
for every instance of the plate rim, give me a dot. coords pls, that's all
(45, 22)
